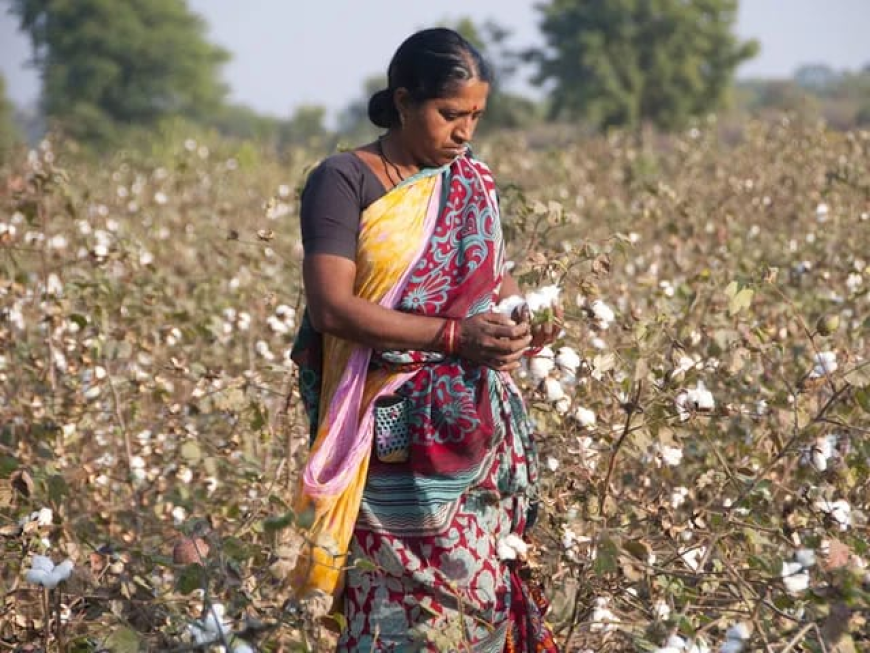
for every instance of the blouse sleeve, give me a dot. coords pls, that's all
(330, 211)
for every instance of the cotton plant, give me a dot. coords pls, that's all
(795, 574)
(44, 572)
(215, 628)
(603, 618)
(736, 638)
(840, 511)
(824, 363)
(48, 575)
(512, 547)
(541, 303)
(698, 399)
(820, 453)
(677, 644)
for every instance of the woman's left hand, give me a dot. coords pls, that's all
(543, 333)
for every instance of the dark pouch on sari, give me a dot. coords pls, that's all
(392, 441)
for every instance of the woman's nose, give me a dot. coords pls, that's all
(463, 131)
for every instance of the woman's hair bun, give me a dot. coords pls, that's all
(382, 109)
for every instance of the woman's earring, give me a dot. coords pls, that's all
(401, 119)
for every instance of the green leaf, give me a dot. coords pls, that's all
(191, 451)
(190, 579)
(607, 561)
(339, 619)
(122, 640)
(365, 565)
(858, 377)
(740, 301)
(8, 464)
(279, 522)
(57, 488)
(731, 290)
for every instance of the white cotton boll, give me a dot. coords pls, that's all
(562, 406)
(739, 632)
(512, 547)
(839, 510)
(160, 198)
(508, 305)
(262, 348)
(277, 325)
(552, 463)
(701, 398)
(59, 360)
(806, 558)
(585, 417)
(675, 644)
(63, 570)
(179, 514)
(693, 557)
(200, 634)
(241, 646)
(45, 517)
(824, 362)
(598, 343)
(185, 475)
(823, 449)
(662, 611)
(822, 212)
(697, 646)
(731, 646)
(38, 577)
(42, 563)
(794, 577)
(678, 496)
(602, 313)
(542, 298)
(683, 406)
(553, 390)
(854, 281)
(541, 364)
(145, 258)
(54, 286)
(602, 618)
(214, 620)
(568, 360)
(684, 364)
(671, 456)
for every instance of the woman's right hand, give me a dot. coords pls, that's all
(494, 340)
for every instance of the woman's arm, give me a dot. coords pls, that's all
(489, 338)
(509, 287)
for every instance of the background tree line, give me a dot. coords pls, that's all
(115, 69)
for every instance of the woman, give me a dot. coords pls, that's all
(422, 462)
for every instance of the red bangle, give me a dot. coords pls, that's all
(449, 339)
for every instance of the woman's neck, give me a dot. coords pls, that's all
(398, 154)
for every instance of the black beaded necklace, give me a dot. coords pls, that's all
(386, 160)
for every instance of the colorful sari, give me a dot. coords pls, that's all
(410, 543)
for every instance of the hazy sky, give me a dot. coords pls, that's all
(287, 53)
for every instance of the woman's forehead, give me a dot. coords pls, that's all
(469, 94)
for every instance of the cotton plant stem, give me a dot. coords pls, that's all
(46, 627)
(630, 411)
(58, 622)
(794, 641)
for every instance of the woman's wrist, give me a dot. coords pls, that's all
(450, 335)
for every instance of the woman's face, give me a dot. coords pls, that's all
(436, 131)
